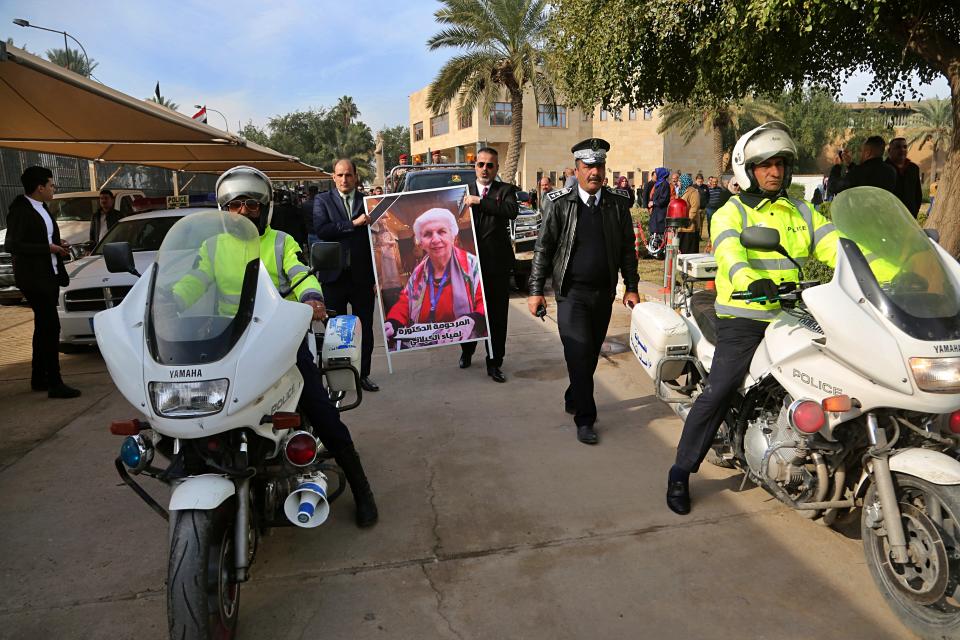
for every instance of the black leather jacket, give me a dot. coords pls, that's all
(555, 243)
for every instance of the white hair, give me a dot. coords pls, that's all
(435, 215)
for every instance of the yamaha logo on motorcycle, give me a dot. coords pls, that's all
(883, 447)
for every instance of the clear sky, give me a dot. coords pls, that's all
(253, 60)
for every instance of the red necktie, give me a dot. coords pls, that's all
(484, 194)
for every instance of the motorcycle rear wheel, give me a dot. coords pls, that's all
(923, 594)
(203, 601)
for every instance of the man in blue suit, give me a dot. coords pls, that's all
(338, 215)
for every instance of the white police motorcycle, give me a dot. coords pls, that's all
(852, 399)
(217, 389)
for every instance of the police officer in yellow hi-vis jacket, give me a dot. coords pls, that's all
(222, 262)
(763, 162)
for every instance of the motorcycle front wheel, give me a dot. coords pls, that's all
(923, 593)
(203, 600)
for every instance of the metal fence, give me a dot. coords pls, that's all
(73, 174)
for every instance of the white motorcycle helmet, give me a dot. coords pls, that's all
(766, 141)
(248, 183)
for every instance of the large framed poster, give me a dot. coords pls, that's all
(427, 269)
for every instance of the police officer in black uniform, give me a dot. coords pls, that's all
(585, 239)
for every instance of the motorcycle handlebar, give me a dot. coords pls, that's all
(786, 287)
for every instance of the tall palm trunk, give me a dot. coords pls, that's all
(718, 150)
(945, 216)
(516, 128)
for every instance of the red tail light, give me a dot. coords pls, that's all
(806, 416)
(955, 422)
(301, 448)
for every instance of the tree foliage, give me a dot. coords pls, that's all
(319, 136)
(396, 140)
(723, 120)
(816, 120)
(72, 59)
(935, 129)
(502, 51)
(646, 53)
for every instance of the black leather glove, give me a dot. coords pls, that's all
(765, 288)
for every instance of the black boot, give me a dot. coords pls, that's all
(349, 461)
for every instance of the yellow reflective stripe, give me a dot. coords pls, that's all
(723, 235)
(775, 264)
(743, 212)
(822, 232)
(296, 270)
(306, 292)
(807, 216)
(735, 268)
(278, 242)
(230, 298)
(741, 312)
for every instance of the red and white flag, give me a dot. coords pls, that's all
(201, 115)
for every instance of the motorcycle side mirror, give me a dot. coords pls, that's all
(118, 257)
(761, 238)
(326, 260)
(766, 239)
(933, 234)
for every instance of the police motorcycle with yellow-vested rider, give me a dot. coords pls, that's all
(850, 403)
(211, 347)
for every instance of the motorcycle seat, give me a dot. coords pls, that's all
(701, 305)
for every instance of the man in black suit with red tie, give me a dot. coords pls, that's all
(33, 240)
(494, 205)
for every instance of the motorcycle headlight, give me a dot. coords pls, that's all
(936, 375)
(189, 399)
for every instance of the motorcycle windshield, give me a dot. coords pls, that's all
(898, 267)
(204, 288)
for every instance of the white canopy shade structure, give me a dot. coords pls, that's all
(49, 109)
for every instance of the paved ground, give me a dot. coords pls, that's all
(495, 522)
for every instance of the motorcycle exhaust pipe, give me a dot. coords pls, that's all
(307, 505)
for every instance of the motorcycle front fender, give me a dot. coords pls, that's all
(206, 491)
(932, 466)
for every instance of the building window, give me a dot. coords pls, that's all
(632, 114)
(439, 125)
(648, 114)
(501, 114)
(616, 176)
(552, 116)
(618, 115)
(417, 131)
(604, 114)
(630, 177)
(465, 122)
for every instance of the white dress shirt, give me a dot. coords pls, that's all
(584, 195)
(481, 187)
(47, 220)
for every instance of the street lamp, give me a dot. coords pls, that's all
(20, 22)
(203, 106)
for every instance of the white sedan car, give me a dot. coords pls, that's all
(92, 288)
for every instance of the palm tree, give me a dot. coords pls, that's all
(73, 60)
(347, 109)
(722, 119)
(354, 142)
(936, 128)
(164, 102)
(503, 55)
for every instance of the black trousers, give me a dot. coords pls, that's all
(344, 290)
(496, 299)
(315, 402)
(737, 340)
(46, 335)
(583, 316)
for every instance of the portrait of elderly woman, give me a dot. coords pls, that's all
(442, 301)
